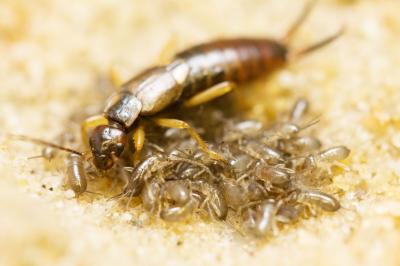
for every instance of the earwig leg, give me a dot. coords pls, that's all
(166, 51)
(215, 91)
(115, 76)
(91, 122)
(139, 137)
(175, 123)
(342, 165)
(299, 21)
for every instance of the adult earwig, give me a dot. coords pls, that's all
(194, 76)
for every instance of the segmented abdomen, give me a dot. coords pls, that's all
(234, 60)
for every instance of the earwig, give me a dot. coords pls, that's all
(333, 154)
(300, 145)
(254, 172)
(319, 198)
(248, 127)
(285, 130)
(241, 162)
(262, 152)
(190, 172)
(237, 131)
(176, 201)
(194, 76)
(255, 190)
(175, 158)
(277, 176)
(239, 194)
(76, 174)
(260, 220)
(210, 198)
(176, 192)
(289, 213)
(140, 174)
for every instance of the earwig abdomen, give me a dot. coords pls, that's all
(236, 60)
(261, 220)
(335, 153)
(176, 192)
(319, 198)
(76, 174)
(178, 213)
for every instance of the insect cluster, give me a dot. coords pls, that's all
(260, 177)
(271, 176)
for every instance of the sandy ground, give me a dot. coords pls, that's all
(52, 53)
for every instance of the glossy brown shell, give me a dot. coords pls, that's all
(236, 60)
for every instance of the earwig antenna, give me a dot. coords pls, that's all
(311, 123)
(45, 143)
(316, 46)
(119, 195)
(35, 157)
(94, 193)
(299, 21)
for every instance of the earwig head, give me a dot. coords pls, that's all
(106, 143)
